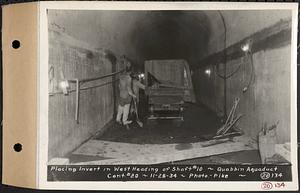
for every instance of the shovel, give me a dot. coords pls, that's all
(137, 116)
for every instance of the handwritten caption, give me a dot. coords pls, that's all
(270, 185)
(169, 172)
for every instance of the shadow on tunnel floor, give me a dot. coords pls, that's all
(199, 124)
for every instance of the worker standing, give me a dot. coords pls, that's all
(136, 86)
(126, 95)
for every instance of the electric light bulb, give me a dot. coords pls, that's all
(142, 75)
(64, 85)
(208, 72)
(245, 47)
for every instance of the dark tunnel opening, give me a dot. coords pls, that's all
(171, 35)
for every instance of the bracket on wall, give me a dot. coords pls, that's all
(77, 90)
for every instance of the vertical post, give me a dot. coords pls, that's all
(225, 87)
(77, 101)
(225, 65)
(114, 86)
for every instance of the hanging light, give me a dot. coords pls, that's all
(141, 76)
(247, 46)
(64, 86)
(247, 49)
(208, 72)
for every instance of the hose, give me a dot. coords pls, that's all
(249, 53)
(252, 72)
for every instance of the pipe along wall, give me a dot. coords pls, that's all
(78, 41)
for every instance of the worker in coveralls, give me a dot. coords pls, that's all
(136, 86)
(126, 95)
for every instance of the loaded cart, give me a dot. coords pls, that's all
(168, 86)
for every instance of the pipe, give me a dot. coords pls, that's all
(84, 88)
(225, 65)
(100, 77)
(77, 81)
(77, 101)
(77, 90)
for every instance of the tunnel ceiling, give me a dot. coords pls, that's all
(141, 35)
(144, 35)
(171, 35)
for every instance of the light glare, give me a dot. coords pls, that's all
(64, 84)
(245, 47)
(208, 72)
(142, 75)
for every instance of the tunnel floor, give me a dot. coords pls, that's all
(199, 124)
(179, 145)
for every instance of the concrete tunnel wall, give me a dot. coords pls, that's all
(268, 98)
(146, 35)
(70, 59)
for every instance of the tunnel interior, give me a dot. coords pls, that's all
(86, 44)
(171, 35)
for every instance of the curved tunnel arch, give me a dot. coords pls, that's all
(171, 35)
(143, 35)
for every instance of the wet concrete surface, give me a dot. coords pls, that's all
(199, 124)
(183, 146)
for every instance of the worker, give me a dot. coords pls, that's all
(128, 65)
(126, 95)
(136, 86)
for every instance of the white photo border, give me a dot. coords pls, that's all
(43, 97)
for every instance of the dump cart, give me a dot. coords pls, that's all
(168, 86)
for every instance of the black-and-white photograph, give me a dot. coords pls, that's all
(169, 87)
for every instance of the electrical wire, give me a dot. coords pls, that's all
(225, 41)
(82, 81)
(248, 54)
(85, 88)
(101, 77)
(233, 73)
(225, 76)
(252, 76)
